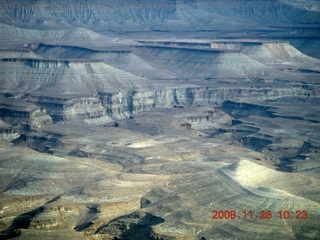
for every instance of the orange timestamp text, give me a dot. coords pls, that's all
(262, 214)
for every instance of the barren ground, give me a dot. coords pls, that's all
(138, 119)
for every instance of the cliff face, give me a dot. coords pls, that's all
(68, 109)
(24, 114)
(103, 86)
(149, 13)
(186, 97)
(107, 107)
(137, 119)
(97, 22)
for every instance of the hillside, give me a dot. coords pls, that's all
(169, 119)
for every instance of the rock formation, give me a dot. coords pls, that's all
(158, 119)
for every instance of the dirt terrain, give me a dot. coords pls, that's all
(149, 119)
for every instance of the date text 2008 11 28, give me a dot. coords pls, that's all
(263, 214)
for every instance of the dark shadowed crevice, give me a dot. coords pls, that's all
(137, 225)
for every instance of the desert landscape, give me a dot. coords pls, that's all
(170, 119)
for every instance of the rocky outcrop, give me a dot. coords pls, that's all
(107, 107)
(7, 133)
(197, 102)
(98, 93)
(36, 63)
(123, 104)
(168, 98)
(67, 109)
(19, 112)
(205, 119)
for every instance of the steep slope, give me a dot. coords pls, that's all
(64, 77)
(123, 59)
(132, 63)
(280, 54)
(225, 56)
(191, 198)
(193, 63)
(21, 35)
(311, 47)
(147, 14)
(18, 54)
(253, 176)
(270, 10)
(148, 118)
(311, 5)
(63, 52)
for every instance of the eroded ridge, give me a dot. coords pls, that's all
(159, 119)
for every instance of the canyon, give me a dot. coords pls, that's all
(140, 119)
